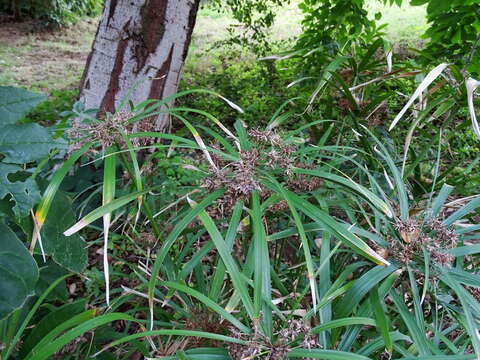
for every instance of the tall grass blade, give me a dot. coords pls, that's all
(10, 347)
(52, 188)
(431, 76)
(102, 210)
(108, 195)
(472, 85)
(337, 229)
(325, 354)
(236, 276)
(207, 302)
(262, 278)
(167, 244)
(49, 349)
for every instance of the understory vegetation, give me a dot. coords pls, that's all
(316, 196)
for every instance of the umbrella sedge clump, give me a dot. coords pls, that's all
(269, 153)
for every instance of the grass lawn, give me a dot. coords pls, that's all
(44, 61)
(405, 24)
(54, 61)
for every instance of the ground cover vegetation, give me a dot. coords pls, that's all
(316, 196)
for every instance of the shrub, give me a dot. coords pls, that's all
(53, 12)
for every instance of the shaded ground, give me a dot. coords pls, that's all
(44, 60)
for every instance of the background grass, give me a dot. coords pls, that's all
(54, 61)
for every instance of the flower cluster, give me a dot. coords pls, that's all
(432, 236)
(241, 177)
(257, 344)
(108, 131)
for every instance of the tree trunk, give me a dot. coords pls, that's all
(140, 47)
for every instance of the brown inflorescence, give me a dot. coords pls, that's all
(241, 177)
(432, 236)
(108, 131)
(474, 291)
(258, 344)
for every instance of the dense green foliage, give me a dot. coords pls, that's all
(454, 31)
(52, 12)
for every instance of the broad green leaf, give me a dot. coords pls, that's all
(67, 251)
(48, 273)
(25, 143)
(15, 103)
(24, 194)
(18, 272)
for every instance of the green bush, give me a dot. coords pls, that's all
(256, 86)
(53, 12)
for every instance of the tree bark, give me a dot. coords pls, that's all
(140, 48)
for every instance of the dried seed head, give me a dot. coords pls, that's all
(241, 177)
(106, 131)
(304, 183)
(147, 238)
(265, 137)
(435, 237)
(409, 230)
(279, 207)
